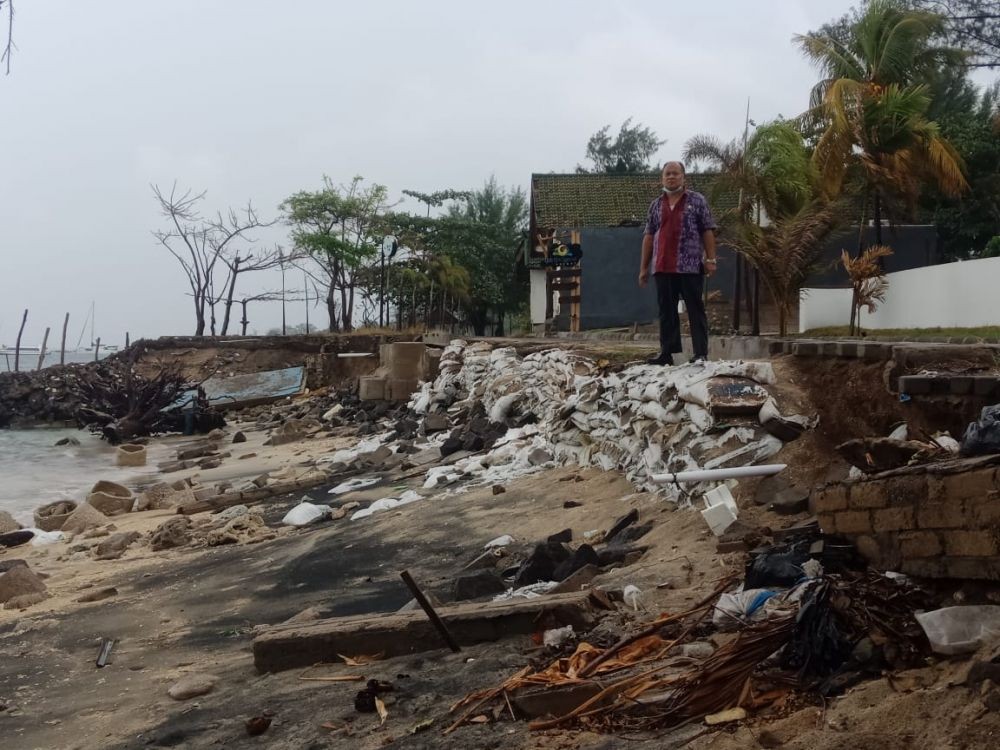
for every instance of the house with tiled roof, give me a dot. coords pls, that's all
(586, 239)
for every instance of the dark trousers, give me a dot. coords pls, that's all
(690, 287)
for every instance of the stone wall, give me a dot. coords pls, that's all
(937, 521)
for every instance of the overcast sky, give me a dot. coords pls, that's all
(254, 100)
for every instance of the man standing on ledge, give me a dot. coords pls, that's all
(679, 241)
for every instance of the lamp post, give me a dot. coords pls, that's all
(281, 263)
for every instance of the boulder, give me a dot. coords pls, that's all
(67, 441)
(84, 518)
(26, 600)
(16, 538)
(289, 431)
(230, 513)
(18, 581)
(542, 564)
(115, 545)
(7, 523)
(244, 529)
(539, 456)
(192, 685)
(174, 532)
(435, 423)
(240, 437)
(451, 445)
(216, 434)
(53, 516)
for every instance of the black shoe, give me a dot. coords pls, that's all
(660, 359)
(698, 358)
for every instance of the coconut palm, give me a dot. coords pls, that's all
(875, 107)
(781, 220)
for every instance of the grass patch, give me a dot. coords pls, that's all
(981, 333)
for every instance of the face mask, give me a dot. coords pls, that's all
(673, 191)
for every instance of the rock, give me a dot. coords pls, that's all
(539, 456)
(622, 523)
(542, 563)
(216, 435)
(174, 532)
(192, 685)
(289, 431)
(18, 581)
(25, 600)
(727, 716)
(84, 518)
(99, 595)
(478, 583)
(96, 533)
(577, 580)
(435, 423)
(115, 545)
(6, 565)
(564, 536)
(769, 739)
(791, 501)
(240, 437)
(451, 445)
(499, 489)
(230, 513)
(244, 529)
(582, 557)
(786, 430)
(16, 538)
(7, 523)
(67, 441)
(572, 504)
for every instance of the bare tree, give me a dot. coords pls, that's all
(289, 295)
(247, 262)
(9, 47)
(200, 245)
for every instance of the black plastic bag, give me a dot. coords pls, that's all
(982, 438)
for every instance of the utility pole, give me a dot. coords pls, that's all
(281, 262)
(738, 275)
(305, 286)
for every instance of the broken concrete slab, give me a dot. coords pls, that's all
(732, 397)
(558, 700)
(478, 583)
(577, 580)
(292, 646)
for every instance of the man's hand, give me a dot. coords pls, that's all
(710, 266)
(643, 277)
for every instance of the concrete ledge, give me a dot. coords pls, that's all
(302, 645)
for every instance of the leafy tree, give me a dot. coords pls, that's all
(781, 220)
(972, 25)
(970, 119)
(338, 229)
(874, 105)
(629, 152)
(489, 234)
(438, 198)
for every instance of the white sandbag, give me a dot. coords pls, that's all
(305, 513)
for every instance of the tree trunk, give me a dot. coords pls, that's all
(229, 296)
(244, 322)
(477, 317)
(331, 307)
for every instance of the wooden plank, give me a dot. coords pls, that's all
(299, 645)
(571, 299)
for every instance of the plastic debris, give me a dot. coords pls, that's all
(500, 541)
(352, 485)
(558, 636)
(305, 513)
(983, 437)
(960, 630)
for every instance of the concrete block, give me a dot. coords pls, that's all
(735, 396)
(854, 522)
(980, 568)
(868, 495)
(916, 544)
(847, 349)
(961, 385)
(829, 499)
(983, 511)
(916, 385)
(404, 360)
(893, 519)
(829, 349)
(805, 349)
(874, 352)
(905, 490)
(925, 568)
(400, 389)
(827, 523)
(300, 645)
(985, 385)
(556, 700)
(372, 389)
(949, 515)
(869, 548)
(964, 543)
(972, 485)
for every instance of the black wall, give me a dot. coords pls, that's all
(612, 297)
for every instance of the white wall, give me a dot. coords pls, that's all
(952, 295)
(537, 281)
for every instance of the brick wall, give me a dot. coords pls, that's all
(939, 521)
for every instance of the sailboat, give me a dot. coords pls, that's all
(90, 317)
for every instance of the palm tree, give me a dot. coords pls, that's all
(875, 106)
(781, 219)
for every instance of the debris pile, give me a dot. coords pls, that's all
(644, 421)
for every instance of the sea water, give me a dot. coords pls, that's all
(33, 471)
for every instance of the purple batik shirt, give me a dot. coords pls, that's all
(681, 252)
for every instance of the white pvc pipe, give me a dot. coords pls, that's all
(718, 475)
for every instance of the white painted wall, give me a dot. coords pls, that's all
(952, 295)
